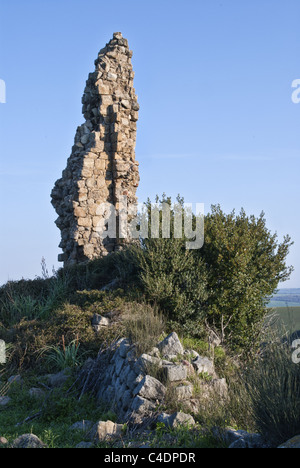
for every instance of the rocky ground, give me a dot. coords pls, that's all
(142, 390)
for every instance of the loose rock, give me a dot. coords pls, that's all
(151, 389)
(105, 430)
(170, 346)
(28, 441)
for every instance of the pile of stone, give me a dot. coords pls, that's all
(125, 383)
(136, 387)
(102, 168)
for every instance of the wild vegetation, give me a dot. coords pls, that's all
(222, 288)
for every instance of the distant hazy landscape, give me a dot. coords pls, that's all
(286, 298)
(287, 305)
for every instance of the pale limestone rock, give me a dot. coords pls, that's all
(106, 430)
(203, 365)
(151, 389)
(175, 373)
(3, 441)
(184, 392)
(141, 405)
(170, 346)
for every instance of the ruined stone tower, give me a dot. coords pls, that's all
(102, 166)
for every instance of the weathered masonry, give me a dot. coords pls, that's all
(102, 166)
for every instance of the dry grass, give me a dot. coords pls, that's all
(143, 325)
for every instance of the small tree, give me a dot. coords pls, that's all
(173, 277)
(224, 286)
(245, 263)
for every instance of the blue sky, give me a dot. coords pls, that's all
(217, 123)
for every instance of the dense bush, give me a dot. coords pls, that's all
(225, 285)
(175, 280)
(245, 264)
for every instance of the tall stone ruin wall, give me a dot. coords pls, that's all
(102, 166)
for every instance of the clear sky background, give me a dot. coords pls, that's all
(217, 123)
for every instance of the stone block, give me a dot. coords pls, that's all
(151, 389)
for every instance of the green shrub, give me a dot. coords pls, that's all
(59, 291)
(66, 356)
(200, 346)
(223, 286)
(14, 308)
(173, 279)
(98, 273)
(171, 276)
